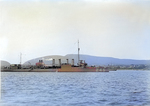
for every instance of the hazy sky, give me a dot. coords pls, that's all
(110, 28)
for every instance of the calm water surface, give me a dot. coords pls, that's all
(75, 89)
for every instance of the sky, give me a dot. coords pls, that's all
(107, 28)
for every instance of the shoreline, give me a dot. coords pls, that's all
(133, 69)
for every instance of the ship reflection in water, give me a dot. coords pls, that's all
(124, 87)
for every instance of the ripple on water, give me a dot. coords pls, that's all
(69, 89)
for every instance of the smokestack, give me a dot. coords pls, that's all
(53, 62)
(67, 61)
(60, 62)
(72, 62)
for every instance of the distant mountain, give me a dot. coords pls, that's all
(91, 60)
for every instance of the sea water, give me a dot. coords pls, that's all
(124, 87)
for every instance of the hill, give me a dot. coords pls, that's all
(4, 64)
(91, 60)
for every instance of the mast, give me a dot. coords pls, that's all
(78, 54)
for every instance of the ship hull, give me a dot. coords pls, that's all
(30, 70)
(112, 69)
(69, 68)
(64, 68)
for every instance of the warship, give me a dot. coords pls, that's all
(81, 66)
